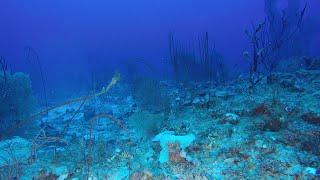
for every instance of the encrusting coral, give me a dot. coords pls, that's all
(169, 141)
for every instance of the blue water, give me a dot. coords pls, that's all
(159, 89)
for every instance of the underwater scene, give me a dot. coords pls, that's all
(159, 90)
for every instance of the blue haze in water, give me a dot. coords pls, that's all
(208, 89)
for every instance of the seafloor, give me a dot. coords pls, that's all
(224, 132)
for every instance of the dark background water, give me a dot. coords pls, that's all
(78, 39)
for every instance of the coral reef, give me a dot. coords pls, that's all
(222, 132)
